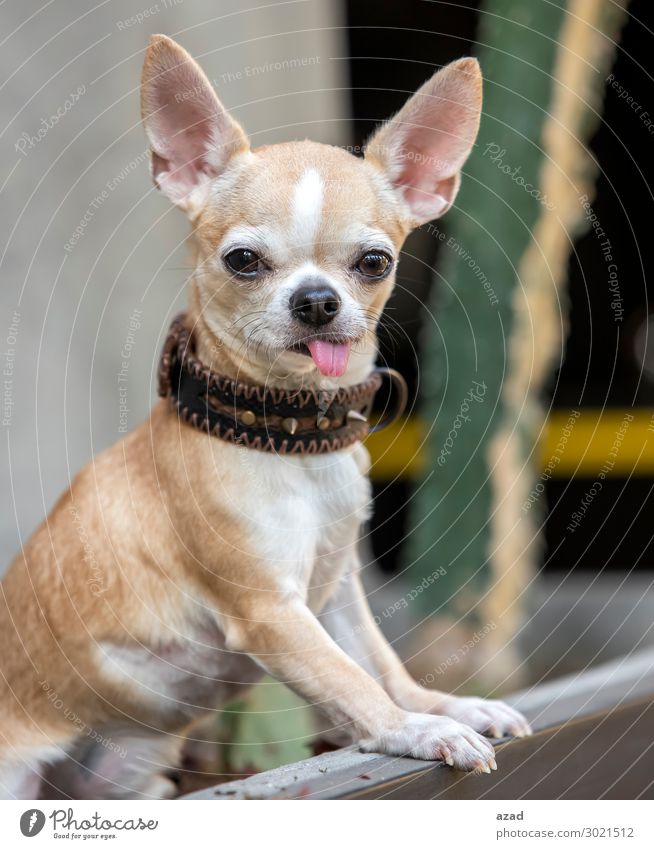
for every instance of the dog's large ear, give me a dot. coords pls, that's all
(191, 135)
(423, 148)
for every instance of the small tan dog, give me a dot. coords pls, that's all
(214, 563)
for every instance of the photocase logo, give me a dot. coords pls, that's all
(32, 822)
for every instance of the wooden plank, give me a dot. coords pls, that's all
(598, 688)
(594, 737)
(608, 755)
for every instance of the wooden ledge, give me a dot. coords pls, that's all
(594, 738)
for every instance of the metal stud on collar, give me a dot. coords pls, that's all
(290, 425)
(356, 416)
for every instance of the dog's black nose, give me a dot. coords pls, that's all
(315, 304)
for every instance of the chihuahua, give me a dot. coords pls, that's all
(213, 563)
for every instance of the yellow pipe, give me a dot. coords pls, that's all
(575, 443)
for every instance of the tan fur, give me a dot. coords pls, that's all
(179, 567)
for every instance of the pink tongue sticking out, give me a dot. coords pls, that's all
(330, 357)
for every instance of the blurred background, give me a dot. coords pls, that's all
(512, 535)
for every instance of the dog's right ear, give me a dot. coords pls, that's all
(191, 135)
(423, 148)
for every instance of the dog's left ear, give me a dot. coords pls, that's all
(423, 148)
(191, 135)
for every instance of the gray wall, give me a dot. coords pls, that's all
(70, 304)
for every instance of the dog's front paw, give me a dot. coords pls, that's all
(436, 738)
(496, 719)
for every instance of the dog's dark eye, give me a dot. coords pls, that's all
(244, 262)
(374, 264)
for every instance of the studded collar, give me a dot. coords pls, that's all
(266, 418)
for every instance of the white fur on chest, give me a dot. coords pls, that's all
(304, 514)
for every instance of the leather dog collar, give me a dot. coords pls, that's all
(300, 421)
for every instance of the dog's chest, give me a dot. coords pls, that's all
(302, 517)
(308, 507)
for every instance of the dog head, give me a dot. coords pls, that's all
(296, 244)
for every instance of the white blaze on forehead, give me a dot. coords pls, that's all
(307, 207)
